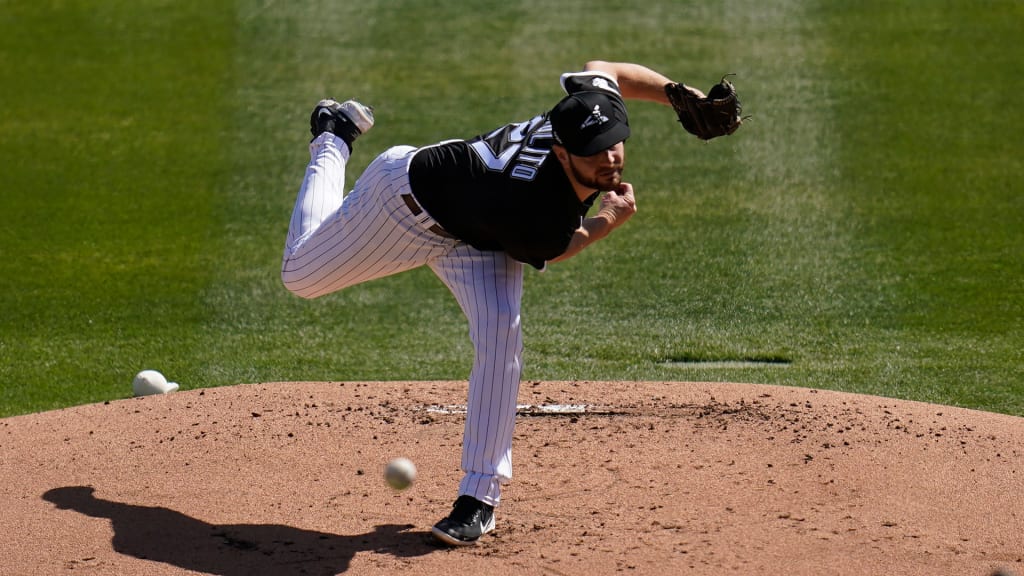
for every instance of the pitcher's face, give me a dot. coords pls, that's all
(601, 171)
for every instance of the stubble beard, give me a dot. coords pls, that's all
(603, 181)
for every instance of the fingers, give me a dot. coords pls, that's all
(625, 190)
(621, 201)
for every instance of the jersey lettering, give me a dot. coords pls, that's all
(524, 146)
(495, 161)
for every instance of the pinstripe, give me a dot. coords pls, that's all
(488, 288)
(336, 240)
(369, 235)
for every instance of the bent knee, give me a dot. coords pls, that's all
(298, 287)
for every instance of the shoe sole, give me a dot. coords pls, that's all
(453, 541)
(360, 115)
(450, 540)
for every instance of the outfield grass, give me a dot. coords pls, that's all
(863, 232)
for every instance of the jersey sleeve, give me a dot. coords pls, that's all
(573, 82)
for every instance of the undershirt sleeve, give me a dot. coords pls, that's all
(573, 82)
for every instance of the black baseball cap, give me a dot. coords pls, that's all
(589, 122)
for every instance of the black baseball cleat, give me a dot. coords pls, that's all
(347, 120)
(470, 519)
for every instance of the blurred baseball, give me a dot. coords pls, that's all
(400, 473)
(149, 382)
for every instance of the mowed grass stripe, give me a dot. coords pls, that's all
(111, 132)
(750, 250)
(863, 230)
(928, 158)
(725, 260)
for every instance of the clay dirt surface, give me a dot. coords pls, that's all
(610, 478)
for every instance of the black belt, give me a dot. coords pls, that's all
(416, 210)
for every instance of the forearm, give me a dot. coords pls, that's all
(636, 82)
(617, 207)
(592, 230)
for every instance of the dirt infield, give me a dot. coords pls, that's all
(611, 478)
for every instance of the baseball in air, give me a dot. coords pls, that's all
(400, 473)
(149, 382)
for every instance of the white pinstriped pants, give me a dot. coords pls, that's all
(335, 241)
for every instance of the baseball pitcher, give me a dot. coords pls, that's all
(476, 212)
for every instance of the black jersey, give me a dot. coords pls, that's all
(505, 190)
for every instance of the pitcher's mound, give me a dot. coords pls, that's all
(610, 478)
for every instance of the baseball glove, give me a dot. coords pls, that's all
(717, 114)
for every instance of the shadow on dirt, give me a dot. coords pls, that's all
(163, 535)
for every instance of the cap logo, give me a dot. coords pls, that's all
(595, 118)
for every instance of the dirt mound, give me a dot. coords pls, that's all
(610, 477)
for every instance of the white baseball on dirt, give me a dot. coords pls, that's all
(400, 473)
(149, 382)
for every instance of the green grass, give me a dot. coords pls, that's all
(863, 232)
